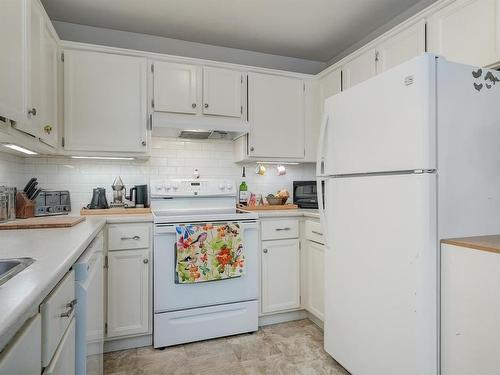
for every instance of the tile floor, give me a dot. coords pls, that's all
(287, 348)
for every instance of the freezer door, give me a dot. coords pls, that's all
(381, 274)
(386, 123)
(468, 152)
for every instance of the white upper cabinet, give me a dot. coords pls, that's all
(13, 60)
(403, 46)
(222, 92)
(467, 31)
(28, 69)
(105, 102)
(329, 85)
(175, 87)
(359, 69)
(389, 52)
(276, 116)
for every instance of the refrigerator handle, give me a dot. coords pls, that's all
(321, 187)
(320, 158)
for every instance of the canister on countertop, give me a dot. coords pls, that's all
(11, 203)
(4, 213)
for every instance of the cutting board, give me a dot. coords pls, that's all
(269, 207)
(43, 222)
(115, 211)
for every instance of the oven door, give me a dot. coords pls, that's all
(169, 296)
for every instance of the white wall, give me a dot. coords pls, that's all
(11, 170)
(151, 43)
(171, 158)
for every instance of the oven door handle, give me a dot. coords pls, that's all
(170, 228)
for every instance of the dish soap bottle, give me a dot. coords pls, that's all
(243, 190)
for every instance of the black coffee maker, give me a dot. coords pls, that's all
(98, 199)
(139, 196)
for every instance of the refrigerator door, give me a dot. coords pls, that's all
(380, 274)
(386, 123)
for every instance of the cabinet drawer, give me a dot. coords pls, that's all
(314, 231)
(57, 311)
(129, 236)
(280, 229)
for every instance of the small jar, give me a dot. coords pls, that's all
(4, 213)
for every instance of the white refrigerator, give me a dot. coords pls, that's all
(405, 159)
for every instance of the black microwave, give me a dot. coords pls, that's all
(305, 194)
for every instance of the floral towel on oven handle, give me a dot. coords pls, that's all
(208, 252)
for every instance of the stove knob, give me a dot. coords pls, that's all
(222, 187)
(168, 187)
(159, 187)
(229, 187)
(176, 187)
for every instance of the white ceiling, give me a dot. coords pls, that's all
(309, 29)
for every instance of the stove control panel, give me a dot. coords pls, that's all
(192, 187)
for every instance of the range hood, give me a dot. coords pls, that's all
(198, 126)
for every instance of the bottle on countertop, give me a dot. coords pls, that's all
(243, 190)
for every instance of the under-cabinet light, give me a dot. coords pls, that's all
(19, 148)
(276, 163)
(102, 157)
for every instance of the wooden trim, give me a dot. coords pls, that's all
(489, 244)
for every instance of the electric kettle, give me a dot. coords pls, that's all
(98, 199)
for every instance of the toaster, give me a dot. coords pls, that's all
(52, 202)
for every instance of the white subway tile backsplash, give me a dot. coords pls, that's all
(170, 158)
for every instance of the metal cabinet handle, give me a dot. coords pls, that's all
(145, 261)
(32, 111)
(131, 238)
(264, 251)
(252, 148)
(318, 233)
(280, 229)
(206, 105)
(193, 105)
(143, 143)
(71, 306)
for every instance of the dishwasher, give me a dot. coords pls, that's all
(89, 290)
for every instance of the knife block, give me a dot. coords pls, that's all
(25, 207)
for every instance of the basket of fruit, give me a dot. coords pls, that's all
(279, 198)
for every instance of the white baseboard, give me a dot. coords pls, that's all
(282, 317)
(127, 343)
(313, 318)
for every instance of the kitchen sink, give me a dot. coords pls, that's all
(11, 267)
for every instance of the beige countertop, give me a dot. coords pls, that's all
(482, 243)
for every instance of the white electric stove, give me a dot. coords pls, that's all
(192, 312)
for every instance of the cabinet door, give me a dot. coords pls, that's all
(13, 59)
(63, 362)
(175, 88)
(276, 116)
(48, 125)
(330, 85)
(222, 92)
(402, 47)
(280, 275)
(128, 292)
(359, 69)
(23, 355)
(315, 274)
(104, 102)
(466, 31)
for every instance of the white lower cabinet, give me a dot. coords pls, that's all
(63, 362)
(314, 300)
(128, 292)
(280, 275)
(23, 354)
